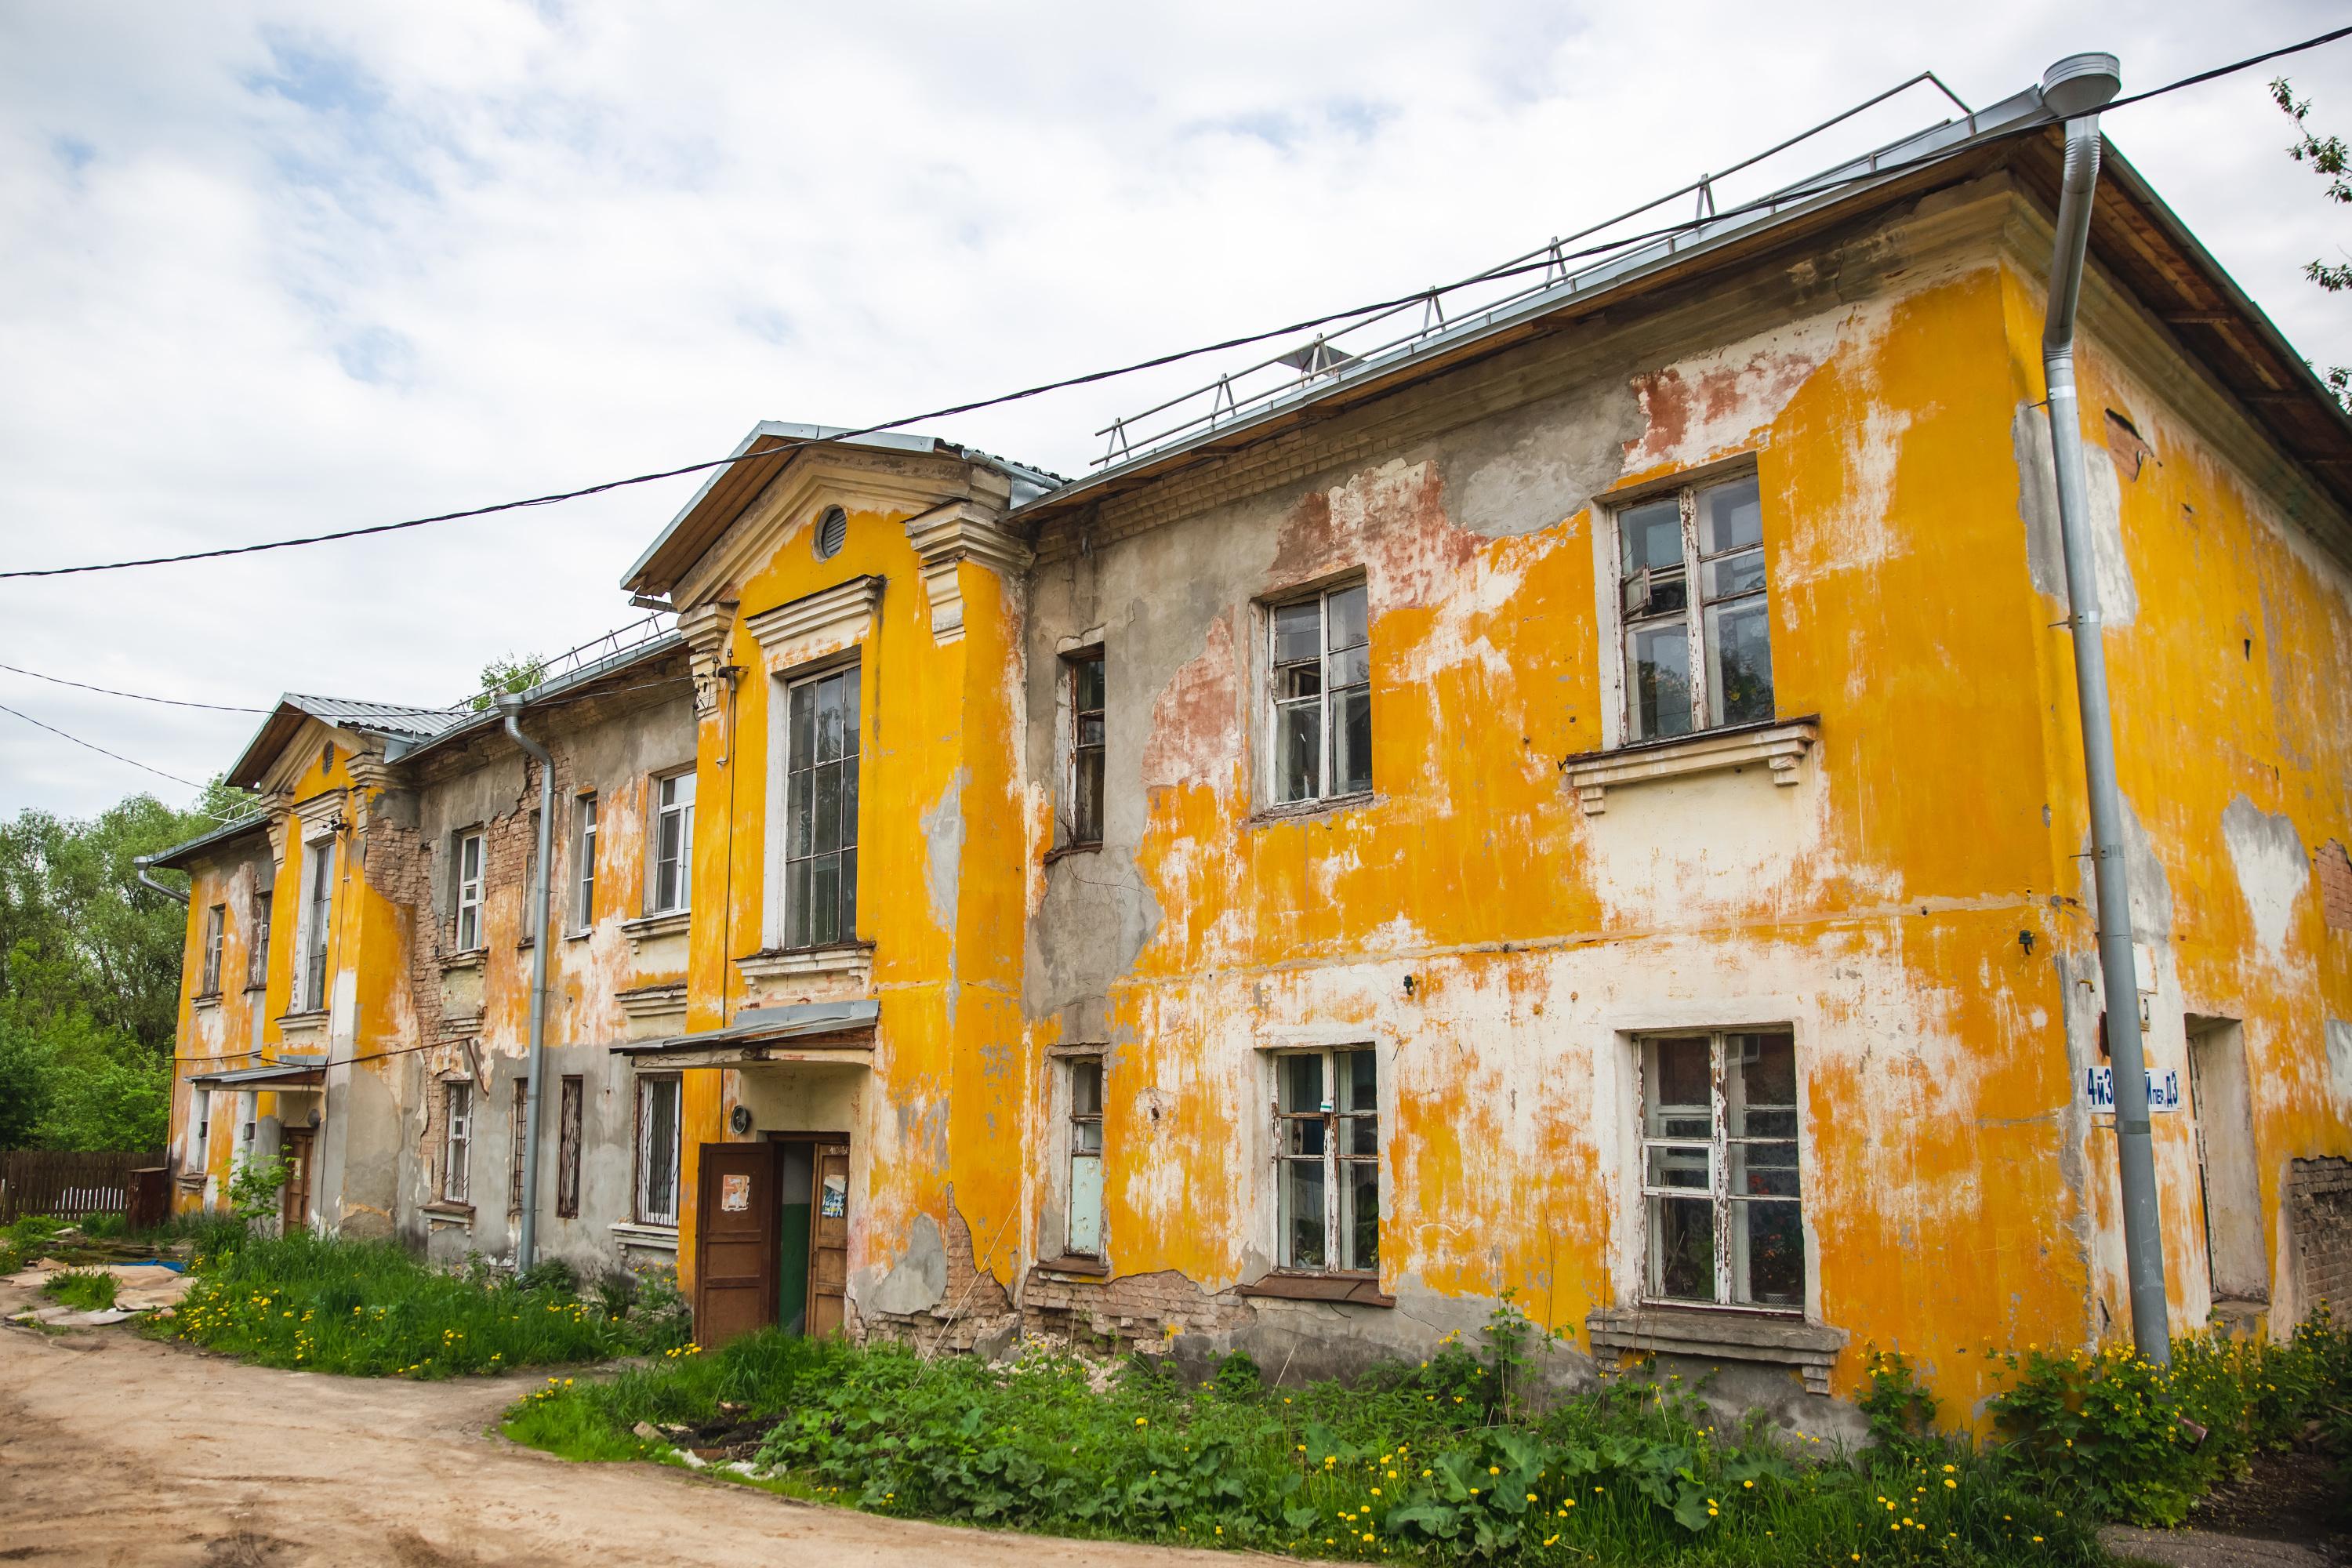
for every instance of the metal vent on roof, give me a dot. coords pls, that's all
(831, 532)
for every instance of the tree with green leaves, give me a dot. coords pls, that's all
(2329, 158)
(90, 972)
(509, 674)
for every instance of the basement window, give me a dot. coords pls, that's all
(1696, 649)
(1320, 653)
(1723, 1217)
(469, 892)
(1327, 1161)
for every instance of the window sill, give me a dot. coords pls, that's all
(310, 1020)
(1780, 745)
(253, 985)
(1309, 810)
(653, 928)
(1087, 1267)
(203, 1000)
(582, 934)
(654, 1000)
(470, 959)
(442, 1212)
(854, 959)
(1721, 1334)
(1354, 1290)
(655, 1238)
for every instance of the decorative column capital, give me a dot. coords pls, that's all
(946, 537)
(705, 628)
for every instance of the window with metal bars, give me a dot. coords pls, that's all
(1721, 1183)
(820, 810)
(518, 1130)
(658, 1145)
(567, 1147)
(1697, 646)
(1327, 1161)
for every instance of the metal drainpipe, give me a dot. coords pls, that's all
(525, 1237)
(139, 863)
(2074, 90)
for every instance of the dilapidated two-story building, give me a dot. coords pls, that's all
(1579, 797)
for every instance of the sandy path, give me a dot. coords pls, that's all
(117, 1450)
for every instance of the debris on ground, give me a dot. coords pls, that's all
(149, 1285)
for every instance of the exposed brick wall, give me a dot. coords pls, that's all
(2335, 885)
(1133, 1312)
(973, 1310)
(2320, 1193)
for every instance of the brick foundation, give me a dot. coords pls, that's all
(2319, 1194)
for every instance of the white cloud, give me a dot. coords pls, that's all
(275, 267)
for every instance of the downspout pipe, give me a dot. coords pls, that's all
(526, 1235)
(139, 864)
(2074, 90)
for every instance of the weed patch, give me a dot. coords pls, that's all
(368, 1308)
(89, 1290)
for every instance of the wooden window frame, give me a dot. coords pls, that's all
(849, 773)
(216, 945)
(1327, 700)
(1691, 575)
(456, 1141)
(466, 932)
(658, 900)
(1087, 756)
(1337, 1156)
(571, 1101)
(1717, 1145)
(583, 867)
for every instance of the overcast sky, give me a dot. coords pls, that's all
(273, 268)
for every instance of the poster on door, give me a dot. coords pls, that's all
(835, 1202)
(2163, 1088)
(734, 1193)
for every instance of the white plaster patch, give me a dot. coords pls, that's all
(2273, 871)
(943, 836)
(2339, 1063)
(1857, 535)
(1672, 854)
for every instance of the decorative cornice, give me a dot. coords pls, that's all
(947, 536)
(654, 1000)
(853, 960)
(706, 628)
(817, 623)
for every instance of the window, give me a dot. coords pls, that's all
(1328, 1153)
(1723, 1218)
(584, 866)
(520, 1128)
(469, 892)
(673, 843)
(1321, 660)
(567, 1148)
(1085, 676)
(657, 1133)
(1695, 660)
(216, 936)
(1086, 1157)
(831, 532)
(316, 918)
(201, 1106)
(821, 811)
(256, 957)
(457, 1140)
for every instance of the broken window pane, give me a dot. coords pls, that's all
(1302, 1214)
(1298, 633)
(1729, 515)
(1672, 1165)
(1351, 740)
(1359, 1217)
(1651, 536)
(1739, 663)
(1660, 656)
(1682, 1248)
(1771, 1239)
(1297, 738)
(1087, 748)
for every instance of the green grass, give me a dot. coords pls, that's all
(367, 1309)
(90, 1289)
(1431, 1463)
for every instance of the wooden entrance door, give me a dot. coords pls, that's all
(735, 1242)
(294, 1199)
(829, 1240)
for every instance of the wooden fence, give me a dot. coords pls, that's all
(68, 1183)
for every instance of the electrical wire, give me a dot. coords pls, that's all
(1090, 377)
(134, 696)
(102, 752)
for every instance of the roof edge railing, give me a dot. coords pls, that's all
(1322, 358)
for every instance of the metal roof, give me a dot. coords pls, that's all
(757, 459)
(476, 721)
(759, 1026)
(297, 1074)
(177, 857)
(394, 720)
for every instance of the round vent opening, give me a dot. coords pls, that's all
(831, 532)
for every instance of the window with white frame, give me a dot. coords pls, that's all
(200, 1108)
(658, 1144)
(820, 860)
(256, 955)
(1327, 1159)
(469, 892)
(1697, 648)
(317, 916)
(1086, 677)
(215, 938)
(1085, 1232)
(1319, 654)
(673, 881)
(1722, 1210)
(457, 1140)
(583, 864)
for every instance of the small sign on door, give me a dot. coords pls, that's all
(2099, 1089)
(734, 1193)
(835, 1202)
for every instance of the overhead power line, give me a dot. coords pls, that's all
(134, 696)
(1086, 378)
(101, 751)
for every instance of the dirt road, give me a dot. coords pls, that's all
(117, 1450)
